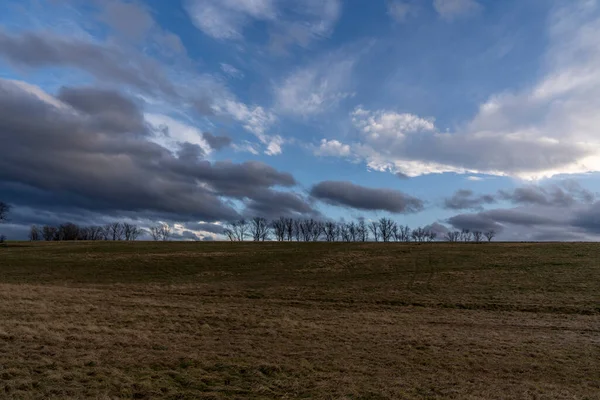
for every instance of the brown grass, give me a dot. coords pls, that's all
(327, 321)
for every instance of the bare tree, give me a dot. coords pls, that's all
(374, 228)
(84, 233)
(453, 236)
(34, 233)
(306, 226)
(49, 233)
(259, 229)
(431, 236)
(362, 232)
(465, 235)
(331, 231)
(386, 228)
(114, 231)
(68, 231)
(478, 236)
(396, 232)
(345, 232)
(131, 231)
(317, 231)
(353, 231)
(289, 229)
(419, 234)
(4, 210)
(228, 231)
(405, 233)
(278, 227)
(490, 235)
(297, 231)
(165, 231)
(161, 232)
(239, 229)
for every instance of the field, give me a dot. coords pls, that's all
(300, 320)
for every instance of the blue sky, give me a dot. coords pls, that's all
(439, 101)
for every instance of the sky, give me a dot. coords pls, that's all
(447, 114)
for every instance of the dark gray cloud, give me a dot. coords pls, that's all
(51, 155)
(205, 227)
(347, 194)
(564, 194)
(588, 218)
(402, 176)
(109, 110)
(272, 204)
(216, 142)
(130, 19)
(466, 200)
(438, 228)
(475, 222)
(103, 62)
(499, 218)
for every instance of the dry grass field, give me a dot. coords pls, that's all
(290, 321)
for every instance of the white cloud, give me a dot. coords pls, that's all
(225, 19)
(332, 148)
(231, 71)
(547, 129)
(245, 147)
(274, 146)
(315, 88)
(453, 9)
(399, 10)
(253, 118)
(178, 132)
(474, 178)
(310, 20)
(289, 21)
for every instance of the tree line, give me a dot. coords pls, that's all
(260, 229)
(311, 230)
(70, 231)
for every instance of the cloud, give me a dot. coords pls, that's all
(56, 154)
(399, 11)
(438, 228)
(216, 142)
(103, 62)
(304, 23)
(538, 218)
(564, 194)
(288, 22)
(466, 200)
(253, 118)
(315, 88)
(173, 132)
(226, 19)
(274, 146)
(272, 204)
(588, 218)
(413, 145)
(454, 9)
(205, 227)
(129, 19)
(231, 71)
(474, 178)
(546, 129)
(107, 109)
(347, 194)
(332, 148)
(475, 222)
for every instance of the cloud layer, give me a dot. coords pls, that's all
(347, 194)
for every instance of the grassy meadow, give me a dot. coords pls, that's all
(174, 320)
